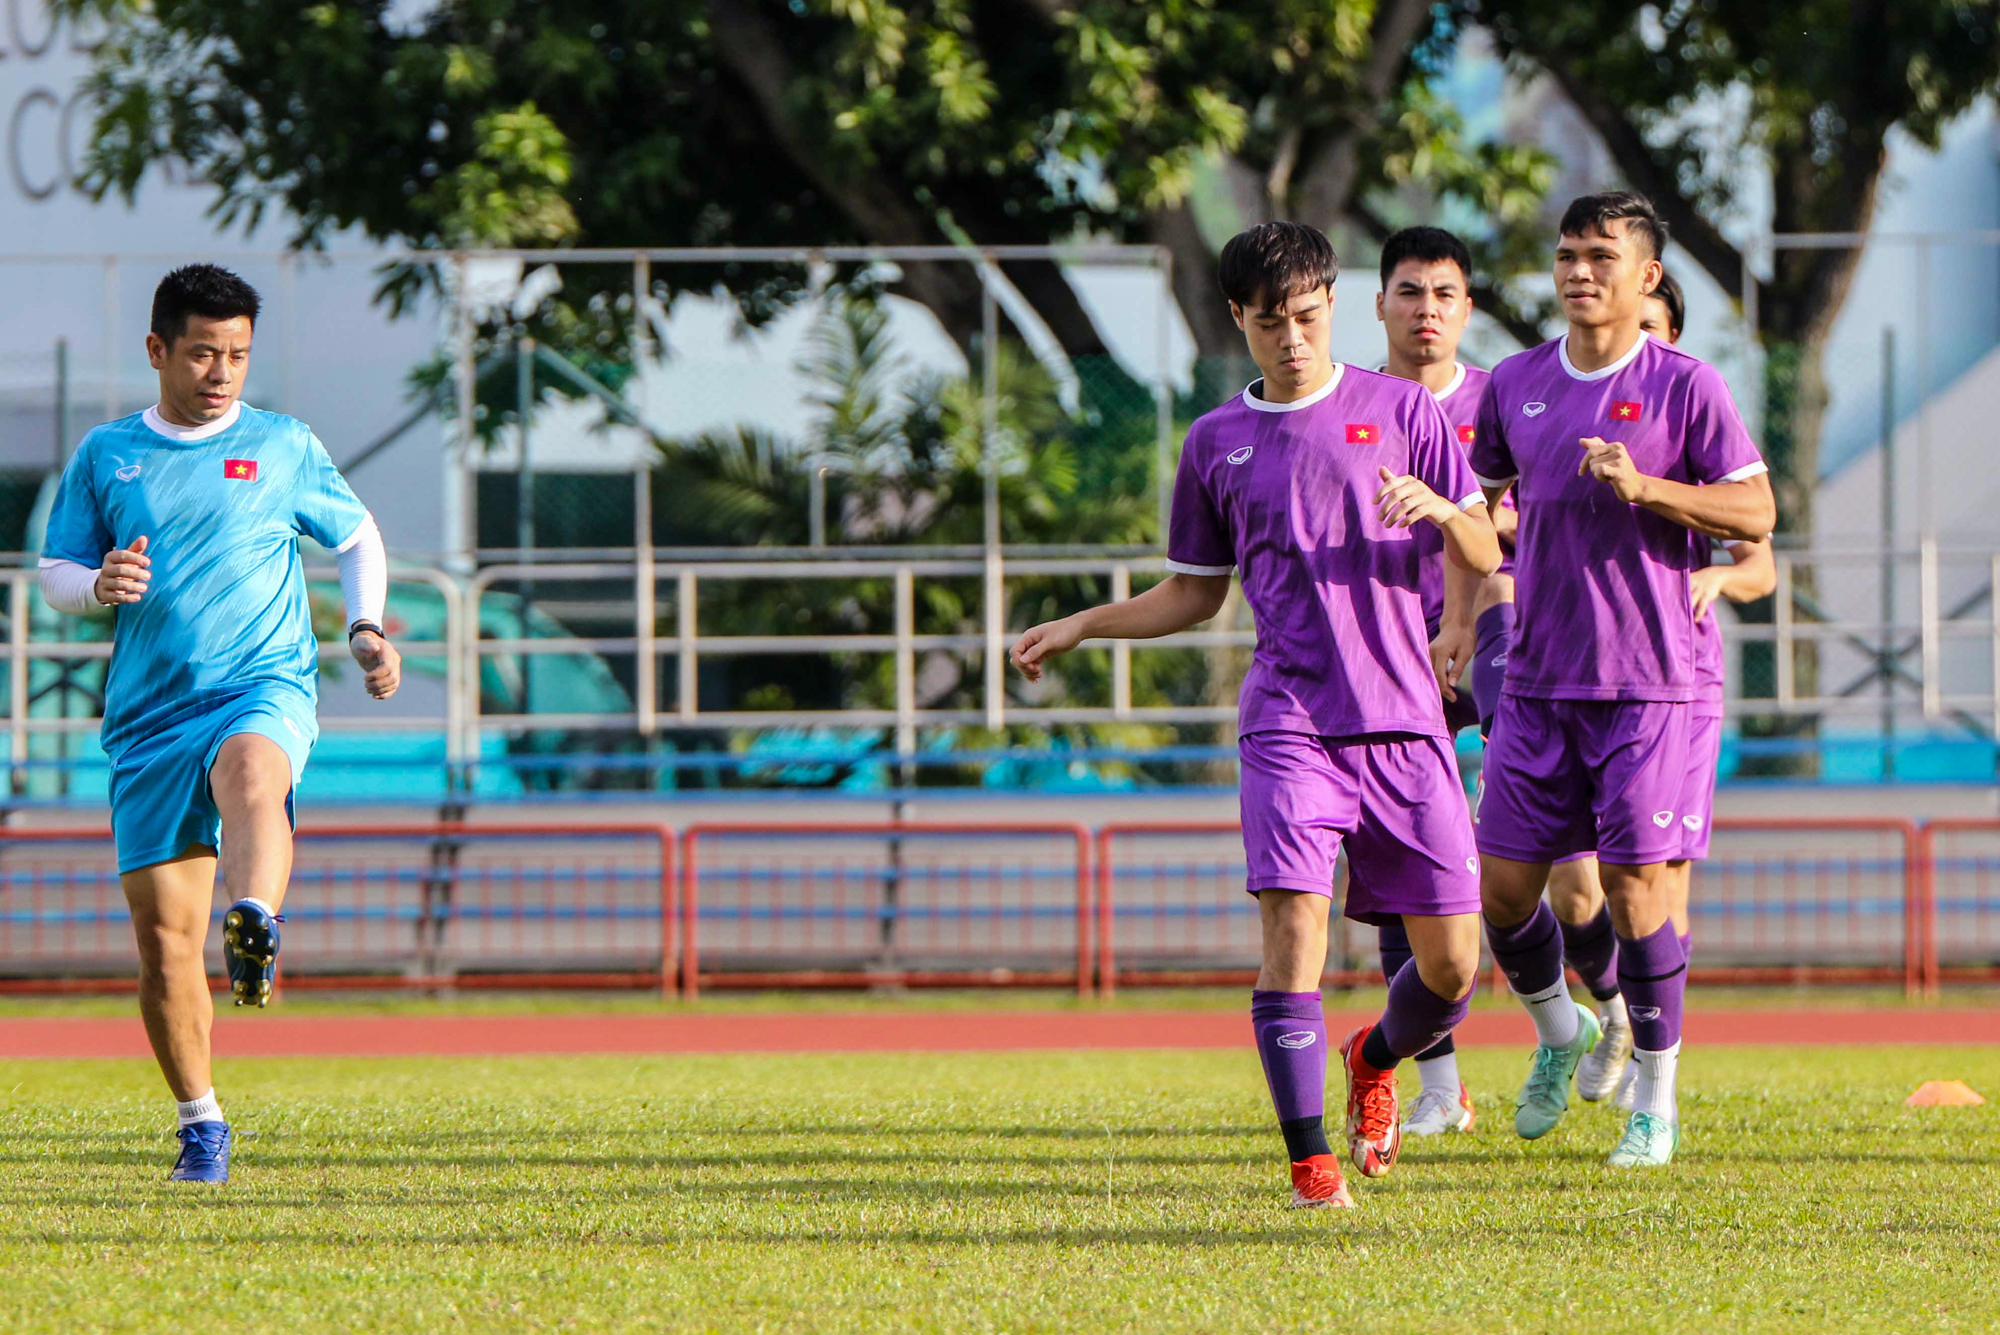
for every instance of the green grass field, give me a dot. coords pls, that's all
(1127, 1191)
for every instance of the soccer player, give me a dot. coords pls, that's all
(1310, 484)
(1751, 575)
(1590, 744)
(1424, 304)
(184, 520)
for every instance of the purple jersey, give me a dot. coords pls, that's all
(1601, 586)
(1460, 401)
(1708, 675)
(1285, 492)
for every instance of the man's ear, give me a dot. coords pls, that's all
(1236, 314)
(156, 350)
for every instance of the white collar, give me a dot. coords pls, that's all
(1562, 351)
(1457, 380)
(1296, 405)
(186, 434)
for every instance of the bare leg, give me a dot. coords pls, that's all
(251, 779)
(1446, 951)
(1576, 892)
(1294, 940)
(170, 903)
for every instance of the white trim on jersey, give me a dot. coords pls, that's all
(1457, 380)
(1498, 481)
(186, 434)
(1296, 405)
(1476, 498)
(1562, 351)
(1183, 568)
(1746, 471)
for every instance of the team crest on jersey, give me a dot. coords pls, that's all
(1466, 435)
(240, 470)
(1363, 433)
(1534, 409)
(1663, 818)
(1626, 410)
(1242, 456)
(127, 473)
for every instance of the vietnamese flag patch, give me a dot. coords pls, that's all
(1363, 433)
(243, 470)
(1466, 435)
(1626, 410)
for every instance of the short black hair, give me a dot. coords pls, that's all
(1274, 262)
(207, 290)
(1592, 215)
(1669, 292)
(1432, 245)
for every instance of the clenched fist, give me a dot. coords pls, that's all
(124, 575)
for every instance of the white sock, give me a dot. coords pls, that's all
(1439, 1073)
(1654, 1092)
(203, 1109)
(1612, 1010)
(1554, 1014)
(251, 899)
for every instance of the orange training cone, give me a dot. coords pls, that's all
(1943, 1094)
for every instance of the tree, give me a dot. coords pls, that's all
(1814, 89)
(503, 122)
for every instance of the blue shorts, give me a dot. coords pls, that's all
(160, 799)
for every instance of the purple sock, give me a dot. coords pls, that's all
(1396, 952)
(1592, 950)
(1418, 1019)
(1291, 1039)
(1652, 973)
(1530, 953)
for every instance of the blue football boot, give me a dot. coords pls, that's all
(204, 1153)
(250, 952)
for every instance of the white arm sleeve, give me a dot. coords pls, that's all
(69, 587)
(364, 573)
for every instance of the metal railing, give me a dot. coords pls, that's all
(1944, 666)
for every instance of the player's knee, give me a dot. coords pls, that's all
(170, 949)
(250, 773)
(1451, 976)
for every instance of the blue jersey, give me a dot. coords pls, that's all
(222, 508)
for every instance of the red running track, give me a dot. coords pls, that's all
(280, 1035)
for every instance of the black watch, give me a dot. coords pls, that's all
(360, 626)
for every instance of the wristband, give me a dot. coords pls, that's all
(360, 626)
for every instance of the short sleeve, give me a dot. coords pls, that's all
(76, 530)
(1719, 448)
(325, 508)
(1491, 459)
(1198, 538)
(1435, 457)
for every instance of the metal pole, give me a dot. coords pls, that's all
(111, 339)
(1781, 627)
(816, 502)
(1888, 659)
(524, 512)
(996, 590)
(461, 498)
(17, 679)
(62, 403)
(1927, 593)
(646, 672)
(684, 643)
(906, 663)
(1121, 650)
(1926, 512)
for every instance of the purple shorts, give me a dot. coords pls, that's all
(1568, 776)
(1495, 633)
(1394, 801)
(1698, 794)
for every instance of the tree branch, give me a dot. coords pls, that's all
(1328, 180)
(1196, 290)
(1690, 229)
(749, 47)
